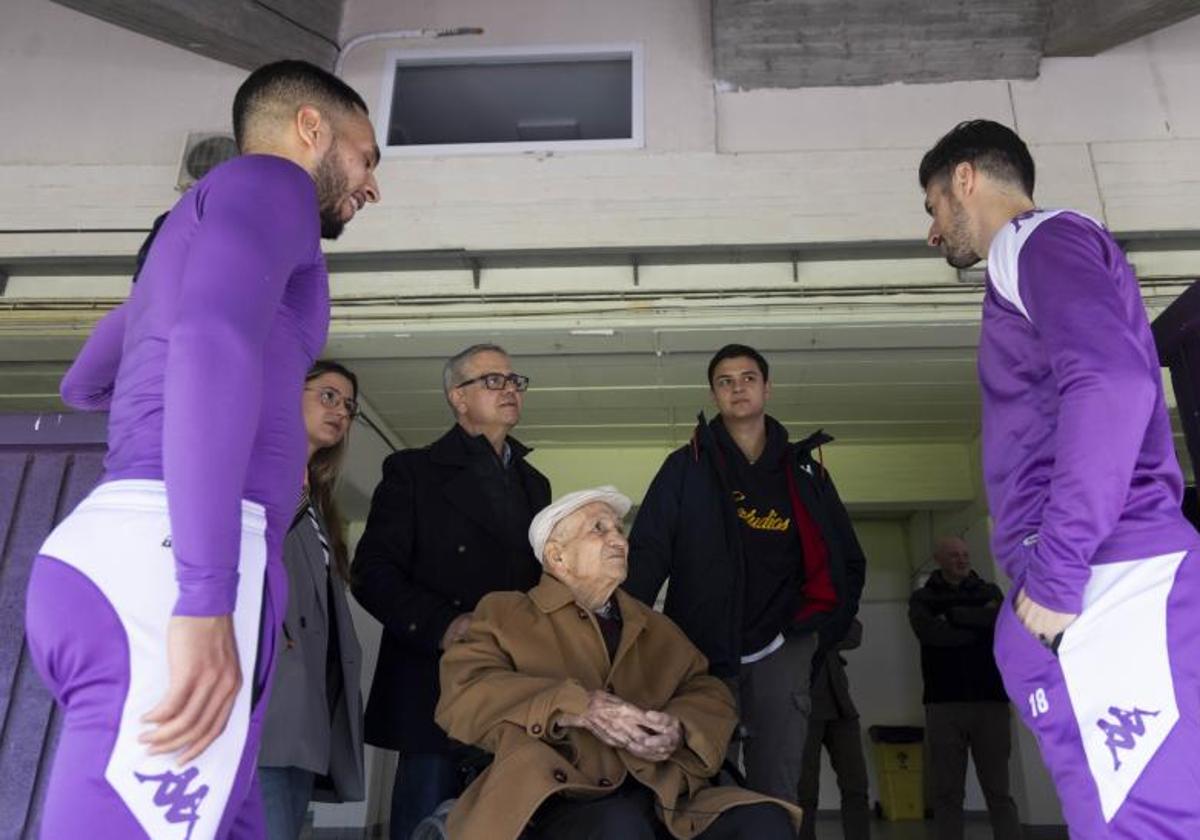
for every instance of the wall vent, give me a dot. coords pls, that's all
(202, 152)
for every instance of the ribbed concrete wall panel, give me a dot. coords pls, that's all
(40, 483)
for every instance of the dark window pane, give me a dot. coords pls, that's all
(522, 101)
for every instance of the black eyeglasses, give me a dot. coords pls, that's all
(332, 399)
(497, 381)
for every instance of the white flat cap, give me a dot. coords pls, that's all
(544, 522)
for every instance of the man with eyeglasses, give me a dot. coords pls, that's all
(448, 525)
(764, 567)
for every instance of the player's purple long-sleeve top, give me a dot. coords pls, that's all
(210, 353)
(1079, 462)
(88, 385)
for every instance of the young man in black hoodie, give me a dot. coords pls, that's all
(764, 566)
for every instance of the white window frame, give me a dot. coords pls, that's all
(508, 55)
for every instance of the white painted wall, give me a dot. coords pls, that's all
(97, 117)
(80, 91)
(676, 35)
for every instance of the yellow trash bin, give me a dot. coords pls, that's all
(898, 765)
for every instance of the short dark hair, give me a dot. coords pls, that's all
(738, 351)
(289, 83)
(994, 148)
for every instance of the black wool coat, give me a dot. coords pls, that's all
(431, 549)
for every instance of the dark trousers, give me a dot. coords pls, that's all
(774, 699)
(628, 814)
(423, 782)
(286, 792)
(842, 739)
(983, 728)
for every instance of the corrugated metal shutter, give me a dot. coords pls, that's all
(44, 472)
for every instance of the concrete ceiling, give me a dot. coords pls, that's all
(756, 43)
(245, 33)
(643, 386)
(878, 350)
(1088, 27)
(814, 43)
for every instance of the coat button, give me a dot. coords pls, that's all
(412, 628)
(456, 603)
(560, 776)
(536, 729)
(303, 622)
(604, 783)
(462, 549)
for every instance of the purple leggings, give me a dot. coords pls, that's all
(96, 631)
(1117, 711)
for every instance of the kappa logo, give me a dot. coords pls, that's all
(1123, 734)
(182, 806)
(166, 543)
(807, 468)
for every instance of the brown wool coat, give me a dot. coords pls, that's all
(530, 657)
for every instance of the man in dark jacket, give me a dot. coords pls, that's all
(763, 563)
(447, 526)
(953, 615)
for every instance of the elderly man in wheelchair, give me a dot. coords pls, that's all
(600, 713)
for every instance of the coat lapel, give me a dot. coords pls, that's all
(537, 490)
(553, 598)
(459, 484)
(633, 622)
(315, 563)
(578, 635)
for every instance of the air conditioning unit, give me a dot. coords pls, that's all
(202, 152)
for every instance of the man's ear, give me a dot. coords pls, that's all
(457, 402)
(552, 554)
(310, 126)
(963, 179)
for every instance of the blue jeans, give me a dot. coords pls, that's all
(423, 782)
(285, 792)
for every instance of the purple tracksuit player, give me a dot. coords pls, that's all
(202, 370)
(1084, 490)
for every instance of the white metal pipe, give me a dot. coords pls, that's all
(399, 34)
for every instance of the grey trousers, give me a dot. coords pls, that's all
(842, 739)
(984, 729)
(773, 706)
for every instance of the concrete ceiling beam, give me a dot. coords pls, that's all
(815, 43)
(1088, 27)
(245, 34)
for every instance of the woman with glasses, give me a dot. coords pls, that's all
(312, 736)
